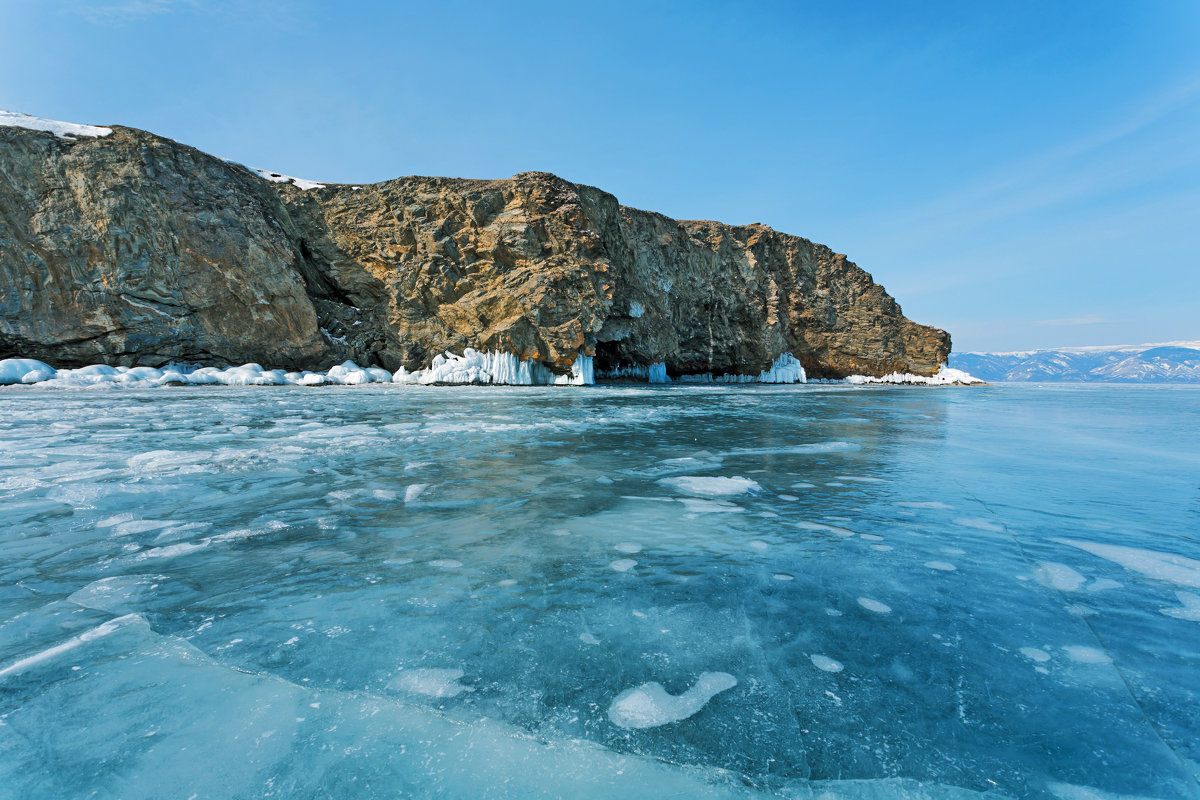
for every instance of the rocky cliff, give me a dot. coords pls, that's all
(132, 249)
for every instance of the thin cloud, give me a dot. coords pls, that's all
(129, 10)
(1086, 319)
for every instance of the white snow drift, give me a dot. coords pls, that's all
(63, 130)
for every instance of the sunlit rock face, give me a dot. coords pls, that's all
(133, 249)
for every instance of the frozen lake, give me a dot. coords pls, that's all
(801, 592)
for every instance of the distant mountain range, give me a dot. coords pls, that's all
(1168, 362)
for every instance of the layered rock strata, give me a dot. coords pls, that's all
(131, 249)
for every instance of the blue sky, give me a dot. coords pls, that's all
(1023, 174)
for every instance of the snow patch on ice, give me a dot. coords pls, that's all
(1053, 575)
(649, 705)
(1189, 607)
(874, 606)
(1035, 654)
(430, 682)
(1168, 567)
(1083, 654)
(826, 664)
(707, 486)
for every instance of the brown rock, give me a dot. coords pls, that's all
(135, 249)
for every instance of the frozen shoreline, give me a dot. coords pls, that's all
(471, 368)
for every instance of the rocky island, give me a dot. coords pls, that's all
(125, 248)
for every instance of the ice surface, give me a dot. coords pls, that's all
(63, 130)
(650, 706)
(705, 486)
(279, 583)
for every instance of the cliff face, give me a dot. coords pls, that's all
(133, 249)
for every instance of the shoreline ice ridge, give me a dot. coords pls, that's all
(471, 368)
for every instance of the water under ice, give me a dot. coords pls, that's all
(404, 591)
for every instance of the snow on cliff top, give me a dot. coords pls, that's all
(275, 177)
(65, 130)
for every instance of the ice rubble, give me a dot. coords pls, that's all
(649, 705)
(495, 367)
(471, 367)
(944, 377)
(63, 130)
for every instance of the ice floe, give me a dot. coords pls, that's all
(649, 705)
(63, 130)
(623, 564)
(629, 548)
(943, 566)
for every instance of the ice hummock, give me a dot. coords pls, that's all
(63, 130)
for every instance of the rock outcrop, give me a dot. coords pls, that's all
(133, 249)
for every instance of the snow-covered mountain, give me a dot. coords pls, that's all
(1168, 362)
